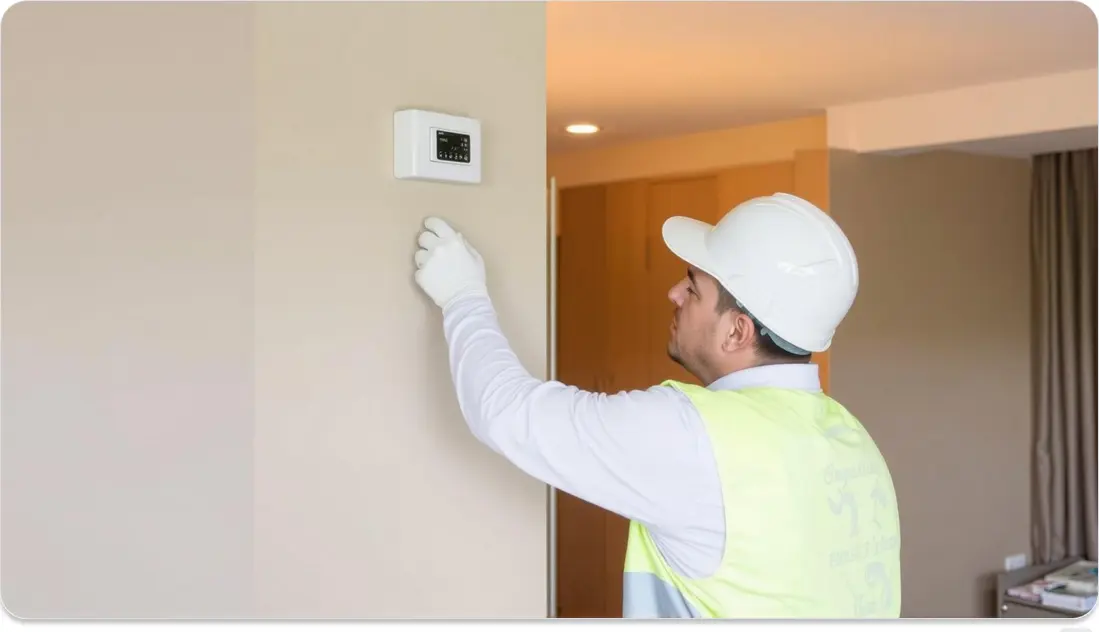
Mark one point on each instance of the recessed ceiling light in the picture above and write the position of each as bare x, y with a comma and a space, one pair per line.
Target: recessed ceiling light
582, 128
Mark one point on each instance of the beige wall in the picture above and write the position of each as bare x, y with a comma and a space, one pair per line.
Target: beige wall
934, 359
128, 156
692, 153
223, 394
372, 498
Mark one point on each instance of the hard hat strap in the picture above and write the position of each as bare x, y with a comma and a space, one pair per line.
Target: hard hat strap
764, 331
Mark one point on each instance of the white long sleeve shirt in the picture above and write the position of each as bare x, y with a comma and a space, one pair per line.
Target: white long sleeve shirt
644, 455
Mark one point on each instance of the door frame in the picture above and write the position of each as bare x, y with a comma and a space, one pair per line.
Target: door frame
551, 374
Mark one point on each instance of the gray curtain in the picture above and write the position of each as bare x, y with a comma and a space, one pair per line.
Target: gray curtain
1063, 251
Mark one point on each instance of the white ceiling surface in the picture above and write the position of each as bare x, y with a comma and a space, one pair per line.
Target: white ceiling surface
650, 69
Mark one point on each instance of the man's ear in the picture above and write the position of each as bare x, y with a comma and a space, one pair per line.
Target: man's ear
740, 333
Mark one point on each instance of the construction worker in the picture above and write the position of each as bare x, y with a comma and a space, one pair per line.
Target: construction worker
757, 496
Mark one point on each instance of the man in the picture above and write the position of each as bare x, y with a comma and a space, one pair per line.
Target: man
756, 496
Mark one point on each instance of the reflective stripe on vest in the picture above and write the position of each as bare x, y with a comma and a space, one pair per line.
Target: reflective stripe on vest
811, 522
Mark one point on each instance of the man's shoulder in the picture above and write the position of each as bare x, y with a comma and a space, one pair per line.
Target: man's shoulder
685, 388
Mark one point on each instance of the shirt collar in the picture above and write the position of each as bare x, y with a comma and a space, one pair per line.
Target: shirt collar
802, 377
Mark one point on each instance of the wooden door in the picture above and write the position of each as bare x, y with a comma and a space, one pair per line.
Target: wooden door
581, 333
628, 310
602, 314
695, 198
625, 351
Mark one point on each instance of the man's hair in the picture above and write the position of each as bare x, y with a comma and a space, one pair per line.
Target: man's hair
765, 346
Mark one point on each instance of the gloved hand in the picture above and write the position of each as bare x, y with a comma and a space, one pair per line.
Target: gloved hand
448, 268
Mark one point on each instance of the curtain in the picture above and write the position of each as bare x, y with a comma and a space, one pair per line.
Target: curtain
1063, 256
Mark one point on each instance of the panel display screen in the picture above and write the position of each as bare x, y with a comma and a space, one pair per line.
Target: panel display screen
451, 146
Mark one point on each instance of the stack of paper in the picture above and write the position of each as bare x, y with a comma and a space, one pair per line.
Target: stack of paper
1032, 591
1070, 588
1079, 577
1063, 598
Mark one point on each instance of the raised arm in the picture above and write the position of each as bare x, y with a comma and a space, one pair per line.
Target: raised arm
632, 453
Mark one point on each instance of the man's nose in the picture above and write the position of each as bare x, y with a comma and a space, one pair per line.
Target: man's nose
675, 294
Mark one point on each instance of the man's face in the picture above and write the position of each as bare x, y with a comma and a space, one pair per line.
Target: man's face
695, 332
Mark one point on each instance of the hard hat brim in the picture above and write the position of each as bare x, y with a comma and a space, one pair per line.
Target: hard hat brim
686, 238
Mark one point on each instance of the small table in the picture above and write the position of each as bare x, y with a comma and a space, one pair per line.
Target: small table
1015, 608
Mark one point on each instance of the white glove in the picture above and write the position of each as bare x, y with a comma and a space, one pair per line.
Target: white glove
448, 268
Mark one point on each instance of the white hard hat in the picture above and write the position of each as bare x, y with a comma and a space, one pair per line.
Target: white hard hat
785, 261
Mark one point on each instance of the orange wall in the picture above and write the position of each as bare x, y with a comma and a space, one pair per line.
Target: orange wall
706, 151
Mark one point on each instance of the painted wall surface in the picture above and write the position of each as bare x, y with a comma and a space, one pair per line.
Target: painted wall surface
372, 497
128, 176
694, 153
934, 359
1024, 108
223, 394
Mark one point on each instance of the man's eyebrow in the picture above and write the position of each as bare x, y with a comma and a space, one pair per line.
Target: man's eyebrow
691, 275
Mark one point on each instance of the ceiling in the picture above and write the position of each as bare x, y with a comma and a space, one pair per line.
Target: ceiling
650, 69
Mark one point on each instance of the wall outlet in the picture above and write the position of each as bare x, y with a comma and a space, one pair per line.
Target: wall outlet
1014, 562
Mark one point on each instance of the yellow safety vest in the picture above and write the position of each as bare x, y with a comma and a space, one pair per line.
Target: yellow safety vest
811, 522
